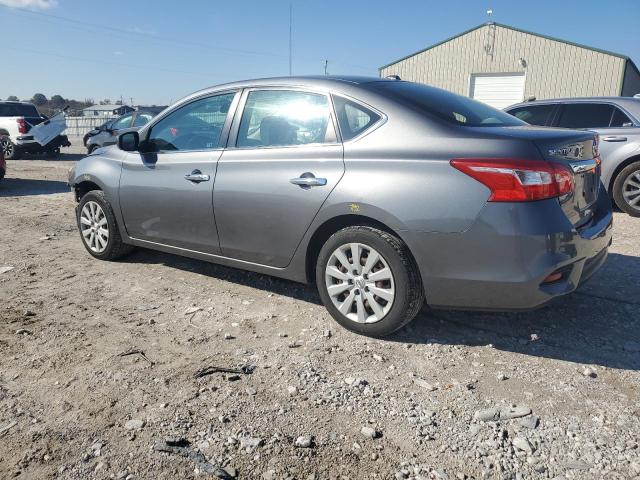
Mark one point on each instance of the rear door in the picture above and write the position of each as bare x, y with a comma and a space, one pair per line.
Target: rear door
282, 161
166, 195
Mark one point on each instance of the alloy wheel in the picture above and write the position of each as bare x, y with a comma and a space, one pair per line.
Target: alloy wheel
94, 227
360, 283
631, 190
7, 147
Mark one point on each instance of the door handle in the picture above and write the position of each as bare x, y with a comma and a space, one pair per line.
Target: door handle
614, 138
197, 176
308, 180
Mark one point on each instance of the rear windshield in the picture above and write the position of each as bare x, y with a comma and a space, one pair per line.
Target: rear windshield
17, 110
446, 105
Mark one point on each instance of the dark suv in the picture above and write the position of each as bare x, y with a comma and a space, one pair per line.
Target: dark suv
617, 120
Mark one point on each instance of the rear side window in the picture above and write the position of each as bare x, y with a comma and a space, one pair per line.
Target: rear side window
353, 118
585, 115
280, 118
620, 119
445, 105
534, 114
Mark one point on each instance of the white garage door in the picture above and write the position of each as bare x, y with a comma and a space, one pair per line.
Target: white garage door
498, 90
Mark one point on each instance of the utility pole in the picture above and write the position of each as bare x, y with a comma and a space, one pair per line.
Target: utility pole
131, 98
326, 64
290, 38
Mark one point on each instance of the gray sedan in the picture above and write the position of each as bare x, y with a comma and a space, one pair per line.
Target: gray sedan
617, 120
383, 192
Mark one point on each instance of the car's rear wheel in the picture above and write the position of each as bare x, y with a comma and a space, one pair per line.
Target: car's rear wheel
9, 149
98, 227
368, 281
626, 189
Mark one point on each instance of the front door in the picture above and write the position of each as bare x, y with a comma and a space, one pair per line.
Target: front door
166, 195
281, 164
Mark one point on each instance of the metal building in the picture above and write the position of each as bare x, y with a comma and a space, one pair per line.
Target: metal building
503, 65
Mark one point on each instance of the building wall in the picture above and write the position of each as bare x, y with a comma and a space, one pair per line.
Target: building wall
553, 69
631, 84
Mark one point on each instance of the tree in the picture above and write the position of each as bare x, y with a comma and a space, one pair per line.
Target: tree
39, 99
106, 101
13, 98
57, 100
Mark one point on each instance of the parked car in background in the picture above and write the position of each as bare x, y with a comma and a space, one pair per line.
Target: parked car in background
16, 121
406, 192
617, 120
107, 133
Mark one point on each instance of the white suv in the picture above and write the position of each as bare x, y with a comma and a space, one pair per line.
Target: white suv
16, 120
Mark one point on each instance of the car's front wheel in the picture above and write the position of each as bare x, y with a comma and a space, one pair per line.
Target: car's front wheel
626, 189
98, 227
368, 281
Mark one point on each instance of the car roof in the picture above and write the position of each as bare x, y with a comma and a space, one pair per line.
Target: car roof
337, 83
616, 100
13, 102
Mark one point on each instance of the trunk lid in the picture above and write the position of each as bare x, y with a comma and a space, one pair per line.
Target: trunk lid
575, 149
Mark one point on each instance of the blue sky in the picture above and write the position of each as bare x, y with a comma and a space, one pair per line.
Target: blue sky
157, 51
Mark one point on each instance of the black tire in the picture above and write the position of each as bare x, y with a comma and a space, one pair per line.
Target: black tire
409, 293
11, 150
53, 153
91, 148
619, 188
115, 247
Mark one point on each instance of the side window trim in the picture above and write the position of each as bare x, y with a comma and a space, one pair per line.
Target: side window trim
232, 139
146, 130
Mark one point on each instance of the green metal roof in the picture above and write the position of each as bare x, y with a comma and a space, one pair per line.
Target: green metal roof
606, 52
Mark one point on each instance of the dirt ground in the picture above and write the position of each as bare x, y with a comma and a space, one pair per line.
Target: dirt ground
546, 394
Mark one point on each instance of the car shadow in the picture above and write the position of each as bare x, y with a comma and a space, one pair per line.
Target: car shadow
596, 325
22, 187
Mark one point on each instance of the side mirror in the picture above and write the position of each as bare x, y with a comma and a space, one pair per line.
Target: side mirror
129, 141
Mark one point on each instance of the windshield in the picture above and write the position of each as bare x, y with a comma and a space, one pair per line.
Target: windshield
446, 105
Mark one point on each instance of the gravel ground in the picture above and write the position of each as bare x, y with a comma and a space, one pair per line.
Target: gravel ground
99, 363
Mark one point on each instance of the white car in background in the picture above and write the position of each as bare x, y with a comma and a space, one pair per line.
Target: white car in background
24, 130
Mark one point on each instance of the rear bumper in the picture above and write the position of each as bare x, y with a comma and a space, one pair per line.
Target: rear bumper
501, 262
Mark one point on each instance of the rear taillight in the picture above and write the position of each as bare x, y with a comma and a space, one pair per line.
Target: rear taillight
515, 180
22, 125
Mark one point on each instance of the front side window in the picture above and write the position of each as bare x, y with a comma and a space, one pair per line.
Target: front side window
196, 126
585, 115
283, 118
353, 118
533, 114
122, 122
